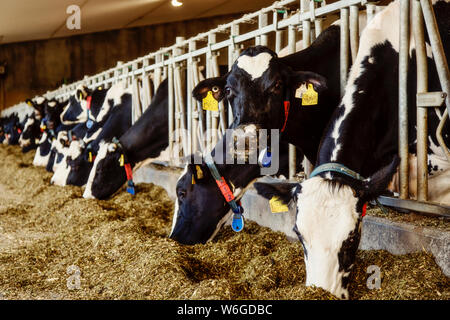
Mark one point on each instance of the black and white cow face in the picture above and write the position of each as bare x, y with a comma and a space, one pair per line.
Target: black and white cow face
80, 166
106, 175
200, 208
31, 134
12, 129
38, 105
75, 109
257, 86
328, 222
52, 113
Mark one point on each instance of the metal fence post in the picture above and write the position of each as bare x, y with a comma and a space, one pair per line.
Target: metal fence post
422, 86
344, 44
354, 31
403, 99
292, 35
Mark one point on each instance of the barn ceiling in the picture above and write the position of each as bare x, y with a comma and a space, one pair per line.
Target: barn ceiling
24, 20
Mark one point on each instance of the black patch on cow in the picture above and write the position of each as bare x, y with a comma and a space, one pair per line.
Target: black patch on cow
346, 255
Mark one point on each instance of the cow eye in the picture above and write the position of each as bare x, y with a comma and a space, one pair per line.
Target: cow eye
228, 91
215, 89
277, 86
181, 194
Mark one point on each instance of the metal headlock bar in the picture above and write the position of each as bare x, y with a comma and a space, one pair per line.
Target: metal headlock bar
192, 129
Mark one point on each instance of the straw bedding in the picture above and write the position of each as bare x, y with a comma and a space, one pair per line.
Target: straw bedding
121, 251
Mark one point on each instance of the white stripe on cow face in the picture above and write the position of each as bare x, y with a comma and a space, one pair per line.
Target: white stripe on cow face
102, 152
175, 211
114, 93
62, 172
325, 217
255, 66
41, 161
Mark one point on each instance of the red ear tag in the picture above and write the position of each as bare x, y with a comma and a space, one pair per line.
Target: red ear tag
88, 100
19, 131
364, 208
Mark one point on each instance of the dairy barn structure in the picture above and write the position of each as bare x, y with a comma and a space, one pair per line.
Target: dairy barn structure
225, 150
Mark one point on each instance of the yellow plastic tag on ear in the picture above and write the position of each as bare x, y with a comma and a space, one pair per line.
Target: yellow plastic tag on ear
121, 160
193, 179
276, 206
310, 97
199, 172
29, 103
90, 156
81, 96
210, 103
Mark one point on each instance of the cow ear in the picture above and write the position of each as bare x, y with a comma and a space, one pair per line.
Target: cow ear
29, 102
377, 183
303, 77
284, 191
215, 85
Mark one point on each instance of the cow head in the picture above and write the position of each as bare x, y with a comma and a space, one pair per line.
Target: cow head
38, 105
13, 129
52, 113
328, 222
106, 176
81, 165
75, 109
257, 85
30, 135
200, 209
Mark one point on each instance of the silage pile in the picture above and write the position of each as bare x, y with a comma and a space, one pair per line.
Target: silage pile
121, 250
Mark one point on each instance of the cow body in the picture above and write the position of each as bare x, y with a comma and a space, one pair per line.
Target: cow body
362, 138
147, 138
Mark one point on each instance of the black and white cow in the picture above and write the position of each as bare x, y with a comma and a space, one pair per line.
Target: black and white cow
12, 129
82, 152
362, 139
96, 106
147, 138
257, 87
29, 139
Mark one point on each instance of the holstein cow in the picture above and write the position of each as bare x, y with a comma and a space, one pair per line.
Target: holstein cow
12, 129
264, 92
358, 155
29, 139
147, 138
82, 152
90, 109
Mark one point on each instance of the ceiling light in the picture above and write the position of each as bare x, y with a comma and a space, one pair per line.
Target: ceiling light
177, 3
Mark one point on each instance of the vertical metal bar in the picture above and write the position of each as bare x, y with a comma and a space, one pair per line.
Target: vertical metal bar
233, 53
171, 109
263, 20
354, 31
370, 11
438, 51
192, 146
278, 33
306, 24
422, 86
344, 54
292, 33
403, 99
318, 26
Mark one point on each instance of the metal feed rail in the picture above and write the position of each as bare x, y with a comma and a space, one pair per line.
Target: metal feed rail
192, 129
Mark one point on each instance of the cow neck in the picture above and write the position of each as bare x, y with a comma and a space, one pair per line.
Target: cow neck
127, 165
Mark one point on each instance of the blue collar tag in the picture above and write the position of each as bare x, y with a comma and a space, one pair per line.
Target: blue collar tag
265, 158
238, 222
130, 188
89, 123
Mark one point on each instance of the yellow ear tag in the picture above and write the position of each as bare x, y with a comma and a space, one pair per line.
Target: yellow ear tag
81, 96
199, 172
193, 179
29, 103
210, 103
121, 160
310, 97
276, 206
90, 156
